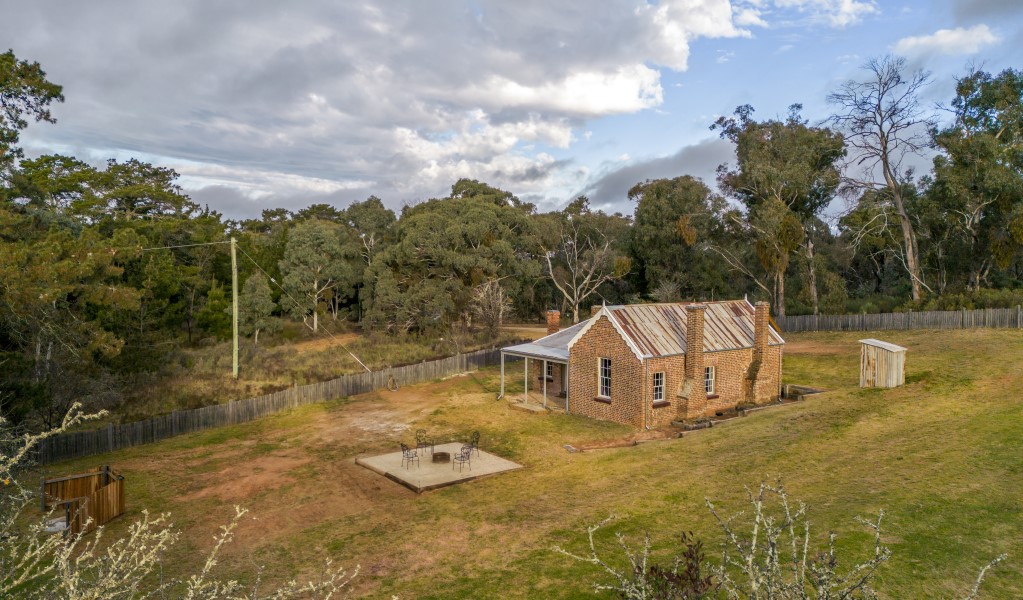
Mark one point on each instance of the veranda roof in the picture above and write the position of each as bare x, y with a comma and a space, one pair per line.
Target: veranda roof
553, 347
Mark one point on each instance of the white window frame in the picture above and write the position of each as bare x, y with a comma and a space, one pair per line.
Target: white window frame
550, 370
659, 387
604, 380
709, 376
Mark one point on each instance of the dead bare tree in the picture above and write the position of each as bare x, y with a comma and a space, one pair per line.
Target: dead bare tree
490, 305
884, 124
581, 263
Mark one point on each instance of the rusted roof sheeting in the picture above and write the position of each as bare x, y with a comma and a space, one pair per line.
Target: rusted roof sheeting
660, 329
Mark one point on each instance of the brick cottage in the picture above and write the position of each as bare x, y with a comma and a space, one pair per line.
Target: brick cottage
634, 364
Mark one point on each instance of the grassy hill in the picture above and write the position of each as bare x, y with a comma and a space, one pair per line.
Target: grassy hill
942, 456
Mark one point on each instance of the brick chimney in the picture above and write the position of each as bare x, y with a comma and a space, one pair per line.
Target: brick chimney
594, 309
761, 333
553, 321
697, 402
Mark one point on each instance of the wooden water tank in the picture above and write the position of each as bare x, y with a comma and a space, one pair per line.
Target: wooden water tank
882, 364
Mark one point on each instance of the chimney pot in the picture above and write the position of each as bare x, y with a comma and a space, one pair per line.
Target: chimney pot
553, 321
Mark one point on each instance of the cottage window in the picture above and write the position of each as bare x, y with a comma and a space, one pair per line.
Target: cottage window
708, 379
604, 377
658, 387
550, 370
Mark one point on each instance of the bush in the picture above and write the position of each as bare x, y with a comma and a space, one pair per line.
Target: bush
767, 556
971, 300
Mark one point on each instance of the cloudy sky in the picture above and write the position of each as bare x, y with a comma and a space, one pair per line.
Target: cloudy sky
265, 103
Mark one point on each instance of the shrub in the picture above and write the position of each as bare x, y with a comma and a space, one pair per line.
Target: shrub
38, 564
769, 556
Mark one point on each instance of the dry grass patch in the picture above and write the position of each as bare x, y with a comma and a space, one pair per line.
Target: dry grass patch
940, 455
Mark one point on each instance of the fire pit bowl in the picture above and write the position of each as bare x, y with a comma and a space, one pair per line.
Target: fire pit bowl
441, 457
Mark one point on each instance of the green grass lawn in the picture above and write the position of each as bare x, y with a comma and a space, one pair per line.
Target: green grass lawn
941, 455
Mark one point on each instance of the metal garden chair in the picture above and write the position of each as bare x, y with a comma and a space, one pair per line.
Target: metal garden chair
408, 455
423, 441
464, 457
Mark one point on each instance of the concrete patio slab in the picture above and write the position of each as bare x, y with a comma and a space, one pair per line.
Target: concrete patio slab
428, 475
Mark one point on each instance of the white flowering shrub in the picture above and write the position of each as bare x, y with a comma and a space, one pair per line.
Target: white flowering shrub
766, 554
36, 563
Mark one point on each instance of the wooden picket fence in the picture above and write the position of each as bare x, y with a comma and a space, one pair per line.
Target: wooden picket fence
935, 319
88, 500
115, 437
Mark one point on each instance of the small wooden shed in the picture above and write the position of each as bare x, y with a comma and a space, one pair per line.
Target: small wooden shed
882, 364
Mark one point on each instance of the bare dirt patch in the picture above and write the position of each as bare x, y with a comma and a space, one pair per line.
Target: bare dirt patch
532, 332
250, 478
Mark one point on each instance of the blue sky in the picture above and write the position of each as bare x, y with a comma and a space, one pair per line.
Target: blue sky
261, 104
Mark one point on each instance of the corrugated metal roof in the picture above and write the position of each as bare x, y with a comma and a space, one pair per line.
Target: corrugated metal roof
660, 329
886, 345
552, 347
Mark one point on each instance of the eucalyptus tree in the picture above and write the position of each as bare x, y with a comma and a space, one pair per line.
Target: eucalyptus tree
782, 165
979, 177
316, 268
256, 307
445, 248
586, 251
885, 124
675, 221
373, 225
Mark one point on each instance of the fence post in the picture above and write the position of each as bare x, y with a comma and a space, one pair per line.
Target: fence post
110, 436
42, 493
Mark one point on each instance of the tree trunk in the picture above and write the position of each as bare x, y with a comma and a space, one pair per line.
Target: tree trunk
316, 305
575, 313
812, 276
908, 236
779, 293
255, 337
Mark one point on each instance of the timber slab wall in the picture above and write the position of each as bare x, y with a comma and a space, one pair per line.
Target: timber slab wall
1006, 318
117, 436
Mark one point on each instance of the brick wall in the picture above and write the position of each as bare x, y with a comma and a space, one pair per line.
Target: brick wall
673, 368
627, 381
554, 383
632, 381
730, 369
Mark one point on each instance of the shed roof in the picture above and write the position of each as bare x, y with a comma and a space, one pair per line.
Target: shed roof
886, 345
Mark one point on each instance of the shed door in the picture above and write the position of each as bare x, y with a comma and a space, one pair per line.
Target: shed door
869, 367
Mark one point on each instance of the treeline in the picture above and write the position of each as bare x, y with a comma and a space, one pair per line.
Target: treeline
105, 271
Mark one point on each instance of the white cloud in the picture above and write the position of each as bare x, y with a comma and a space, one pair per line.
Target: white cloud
749, 16
837, 13
947, 41
627, 89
